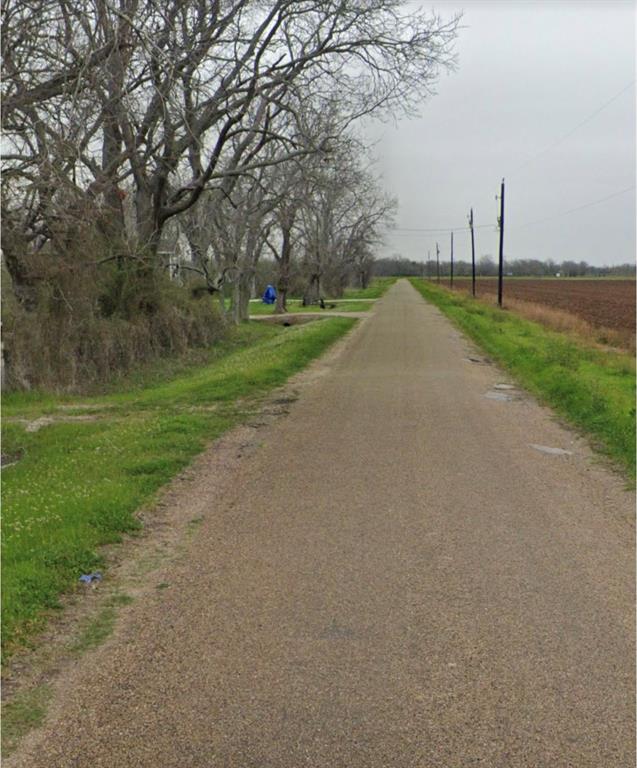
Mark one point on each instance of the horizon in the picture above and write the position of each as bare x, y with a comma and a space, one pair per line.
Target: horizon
540, 98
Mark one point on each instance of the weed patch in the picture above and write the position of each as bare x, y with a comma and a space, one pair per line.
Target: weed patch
95, 631
24, 713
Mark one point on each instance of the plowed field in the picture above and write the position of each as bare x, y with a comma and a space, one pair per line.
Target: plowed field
602, 303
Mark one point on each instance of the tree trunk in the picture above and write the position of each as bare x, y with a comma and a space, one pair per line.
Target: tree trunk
241, 293
313, 291
283, 280
246, 285
148, 228
13, 250
281, 295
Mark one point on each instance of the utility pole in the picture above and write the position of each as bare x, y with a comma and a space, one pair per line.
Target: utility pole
428, 263
437, 263
451, 281
501, 255
473, 257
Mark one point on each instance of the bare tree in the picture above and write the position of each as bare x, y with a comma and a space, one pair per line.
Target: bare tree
129, 125
340, 218
161, 102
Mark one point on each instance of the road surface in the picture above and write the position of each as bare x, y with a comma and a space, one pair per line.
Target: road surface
398, 578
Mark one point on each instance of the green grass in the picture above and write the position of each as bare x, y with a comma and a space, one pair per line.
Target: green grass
79, 484
25, 712
95, 630
377, 287
593, 389
295, 305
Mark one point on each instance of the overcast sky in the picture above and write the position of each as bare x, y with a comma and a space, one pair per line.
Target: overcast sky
528, 73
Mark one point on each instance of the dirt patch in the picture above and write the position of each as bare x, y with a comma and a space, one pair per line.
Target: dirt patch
287, 319
9, 459
84, 407
36, 425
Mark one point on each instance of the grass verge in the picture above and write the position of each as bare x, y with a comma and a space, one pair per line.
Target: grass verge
296, 305
376, 288
593, 389
83, 475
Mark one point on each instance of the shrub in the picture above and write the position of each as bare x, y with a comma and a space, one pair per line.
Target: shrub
87, 326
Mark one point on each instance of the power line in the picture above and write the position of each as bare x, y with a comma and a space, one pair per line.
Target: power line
576, 128
414, 232
445, 230
430, 233
578, 208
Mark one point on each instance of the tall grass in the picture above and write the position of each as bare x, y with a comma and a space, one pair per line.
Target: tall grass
566, 322
69, 346
559, 320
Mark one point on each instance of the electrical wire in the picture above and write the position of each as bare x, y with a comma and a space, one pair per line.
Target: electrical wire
412, 231
423, 236
573, 130
443, 230
573, 210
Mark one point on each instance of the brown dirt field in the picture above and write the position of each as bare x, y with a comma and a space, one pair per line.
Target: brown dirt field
602, 303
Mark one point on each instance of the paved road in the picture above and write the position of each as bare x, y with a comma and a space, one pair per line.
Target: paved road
398, 580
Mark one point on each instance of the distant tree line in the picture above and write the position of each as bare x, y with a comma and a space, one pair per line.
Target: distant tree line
487, 266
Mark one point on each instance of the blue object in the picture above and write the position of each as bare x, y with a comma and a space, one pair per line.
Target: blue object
87, 578
269, 297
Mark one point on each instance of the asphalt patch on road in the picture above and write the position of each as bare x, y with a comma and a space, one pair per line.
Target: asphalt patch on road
477, 360
503, 397
549, 450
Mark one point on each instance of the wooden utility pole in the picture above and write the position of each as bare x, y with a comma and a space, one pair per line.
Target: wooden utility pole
437, 263
473, 256
428, 263
501, 255
451, 280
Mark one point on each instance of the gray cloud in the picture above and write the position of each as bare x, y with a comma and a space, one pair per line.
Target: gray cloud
528, 73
